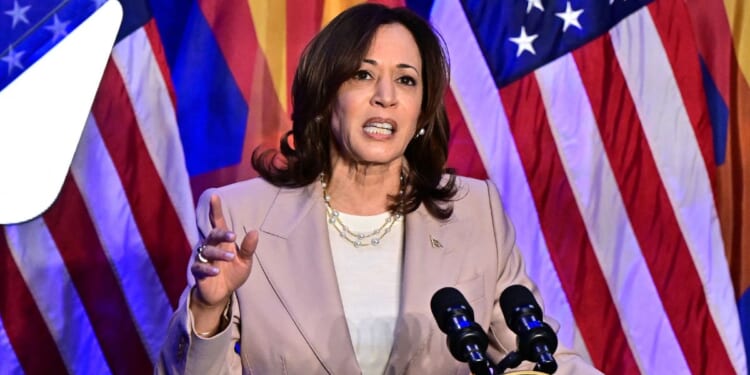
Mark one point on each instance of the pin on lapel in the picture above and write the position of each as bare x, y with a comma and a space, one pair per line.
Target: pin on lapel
435, 243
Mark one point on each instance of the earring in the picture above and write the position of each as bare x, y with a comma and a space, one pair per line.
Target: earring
318, 119
419, 133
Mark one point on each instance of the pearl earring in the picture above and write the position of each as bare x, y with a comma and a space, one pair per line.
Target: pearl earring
419, 133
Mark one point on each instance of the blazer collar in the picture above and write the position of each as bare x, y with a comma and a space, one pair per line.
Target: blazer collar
300, 268
298, 263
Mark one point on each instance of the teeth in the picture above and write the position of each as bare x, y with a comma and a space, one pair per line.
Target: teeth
379, 128
381, 125
373, 130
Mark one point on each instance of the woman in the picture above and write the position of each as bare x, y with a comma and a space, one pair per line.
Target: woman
353, 225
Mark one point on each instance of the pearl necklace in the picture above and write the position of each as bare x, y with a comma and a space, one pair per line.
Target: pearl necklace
358, 239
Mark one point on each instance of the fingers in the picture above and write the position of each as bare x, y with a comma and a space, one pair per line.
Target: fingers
215, 213
203, 270
213, 253
219, 235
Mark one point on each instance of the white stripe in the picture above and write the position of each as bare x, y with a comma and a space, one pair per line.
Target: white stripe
598, 197
98, 181
8, 361
156, 119
480, 104
44, 272
672, 140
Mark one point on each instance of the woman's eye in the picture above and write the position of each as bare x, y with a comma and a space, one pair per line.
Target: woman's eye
406, 80
362, 75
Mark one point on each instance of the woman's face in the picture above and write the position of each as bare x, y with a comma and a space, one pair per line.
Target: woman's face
375, 112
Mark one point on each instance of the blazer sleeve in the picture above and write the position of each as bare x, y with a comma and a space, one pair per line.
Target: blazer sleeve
511, 270
184, 352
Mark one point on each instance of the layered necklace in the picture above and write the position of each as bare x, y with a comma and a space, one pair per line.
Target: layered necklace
359, 239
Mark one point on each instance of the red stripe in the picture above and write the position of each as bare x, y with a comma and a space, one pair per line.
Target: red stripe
155, 216
26, 329
647, 203
302, 23
462, 151
713, 38
157, 48
90, 271
673, 24
564, 230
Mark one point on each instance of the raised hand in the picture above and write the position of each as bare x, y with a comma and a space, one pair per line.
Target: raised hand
221, 269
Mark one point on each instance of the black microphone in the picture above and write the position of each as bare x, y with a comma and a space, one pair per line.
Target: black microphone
536, 340
466, 340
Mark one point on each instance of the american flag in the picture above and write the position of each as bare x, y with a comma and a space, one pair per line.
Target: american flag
590, 116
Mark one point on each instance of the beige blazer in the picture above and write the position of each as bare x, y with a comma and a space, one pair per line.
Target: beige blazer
288, 317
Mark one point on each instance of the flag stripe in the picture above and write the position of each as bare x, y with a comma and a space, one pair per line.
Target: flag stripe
680, 164
564, 229
157, 219
462, 152
24, 324
661, 242
155, 117
8, 361
477, 97
97, 178
602, 208
672, 22
49, 282
157, 50
97, 286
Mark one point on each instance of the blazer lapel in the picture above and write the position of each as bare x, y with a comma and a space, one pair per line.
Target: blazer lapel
431, 261
298, 263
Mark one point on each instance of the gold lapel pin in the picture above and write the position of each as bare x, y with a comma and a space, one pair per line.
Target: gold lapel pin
435, 243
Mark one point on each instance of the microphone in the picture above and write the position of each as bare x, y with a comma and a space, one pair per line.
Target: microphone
535, 339
466, 340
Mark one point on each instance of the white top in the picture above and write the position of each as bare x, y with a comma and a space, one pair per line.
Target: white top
370, 282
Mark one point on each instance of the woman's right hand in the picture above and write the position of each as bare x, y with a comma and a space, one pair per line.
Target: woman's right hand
227, 267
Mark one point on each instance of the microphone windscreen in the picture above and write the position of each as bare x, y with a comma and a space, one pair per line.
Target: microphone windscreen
444, 303
516, 297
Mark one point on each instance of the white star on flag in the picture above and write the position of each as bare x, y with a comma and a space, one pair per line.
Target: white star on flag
570, 17
18, 13
534, 3
524, 42
58, 28
13, 59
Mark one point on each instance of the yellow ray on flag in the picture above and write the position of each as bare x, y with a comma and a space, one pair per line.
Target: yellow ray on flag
331, 8
269, 18
739, 21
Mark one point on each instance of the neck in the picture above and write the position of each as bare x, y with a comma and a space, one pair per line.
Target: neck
363, 190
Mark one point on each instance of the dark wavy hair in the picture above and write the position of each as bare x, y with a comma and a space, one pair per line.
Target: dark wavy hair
332, 58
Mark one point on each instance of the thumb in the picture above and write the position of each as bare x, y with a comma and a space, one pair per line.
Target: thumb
248, 245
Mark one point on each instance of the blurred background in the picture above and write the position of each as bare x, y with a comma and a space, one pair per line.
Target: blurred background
617, 133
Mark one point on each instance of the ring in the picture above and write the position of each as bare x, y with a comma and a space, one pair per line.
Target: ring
200, 256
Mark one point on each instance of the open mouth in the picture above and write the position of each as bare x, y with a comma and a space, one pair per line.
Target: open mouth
383, 128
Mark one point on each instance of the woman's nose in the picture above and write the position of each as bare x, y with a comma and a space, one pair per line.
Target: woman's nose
385, 93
